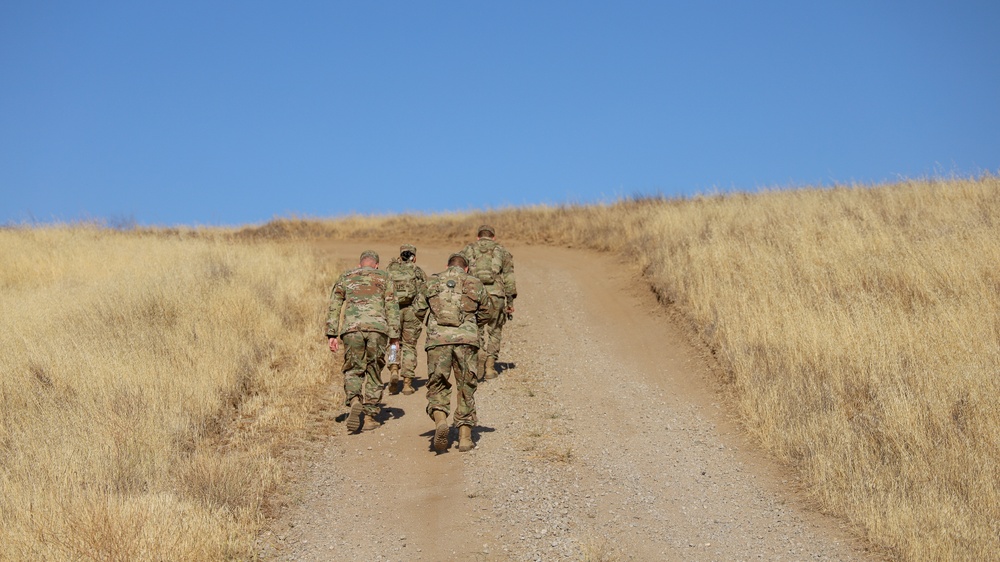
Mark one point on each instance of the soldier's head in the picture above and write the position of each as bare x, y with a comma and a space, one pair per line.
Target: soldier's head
486, 231
369, 258
458, 260
408, 252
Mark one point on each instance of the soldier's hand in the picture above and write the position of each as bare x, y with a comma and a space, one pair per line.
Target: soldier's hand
334, 344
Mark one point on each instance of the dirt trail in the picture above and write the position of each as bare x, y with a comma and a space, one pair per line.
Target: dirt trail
601, 440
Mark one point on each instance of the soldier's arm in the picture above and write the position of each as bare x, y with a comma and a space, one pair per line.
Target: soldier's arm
420, 305
509, 282
391, 309
337, 296
485, 310
467, 253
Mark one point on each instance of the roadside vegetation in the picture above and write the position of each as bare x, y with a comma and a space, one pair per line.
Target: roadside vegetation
150, 378
147, 385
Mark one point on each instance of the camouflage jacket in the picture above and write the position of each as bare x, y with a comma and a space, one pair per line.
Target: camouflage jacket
475, 309
505, 285
363, 300
408, 278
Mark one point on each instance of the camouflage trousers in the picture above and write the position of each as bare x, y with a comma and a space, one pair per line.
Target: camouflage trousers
489, 335
410, 334
364, 358
440, 361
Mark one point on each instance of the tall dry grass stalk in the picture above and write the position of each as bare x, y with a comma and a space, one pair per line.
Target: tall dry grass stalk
146, 383
858, 327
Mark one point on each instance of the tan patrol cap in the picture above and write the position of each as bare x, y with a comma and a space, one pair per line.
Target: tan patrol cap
408, 248
487, 228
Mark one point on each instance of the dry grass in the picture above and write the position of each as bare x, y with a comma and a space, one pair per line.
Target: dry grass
146, 383
858, 328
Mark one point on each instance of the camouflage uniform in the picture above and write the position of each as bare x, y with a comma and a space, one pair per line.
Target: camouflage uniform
502, 291
453, 346
410, 326
365, 315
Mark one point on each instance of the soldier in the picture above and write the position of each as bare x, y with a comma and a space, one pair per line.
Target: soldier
409, 279
492, 264
364, 314
453, 304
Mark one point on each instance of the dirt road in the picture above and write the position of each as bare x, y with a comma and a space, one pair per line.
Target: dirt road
602, 439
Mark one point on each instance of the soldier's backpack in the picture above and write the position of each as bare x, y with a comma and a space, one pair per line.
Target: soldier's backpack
445, 299
487, 259
405, 280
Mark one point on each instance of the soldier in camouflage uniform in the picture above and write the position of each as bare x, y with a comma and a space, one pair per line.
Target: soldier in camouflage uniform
453, 304
365, 315
492, 264
409, 279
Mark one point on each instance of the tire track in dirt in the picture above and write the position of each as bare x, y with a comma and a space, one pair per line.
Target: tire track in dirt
601, 440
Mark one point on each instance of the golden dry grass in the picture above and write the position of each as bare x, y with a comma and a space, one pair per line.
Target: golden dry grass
858, 328
146, 384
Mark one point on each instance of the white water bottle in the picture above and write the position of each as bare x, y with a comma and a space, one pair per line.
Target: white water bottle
393, 349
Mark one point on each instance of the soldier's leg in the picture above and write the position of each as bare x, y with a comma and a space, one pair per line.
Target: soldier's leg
486, 336
354, 366
465, 381
496, 331
410, 335
374, 360
439, 363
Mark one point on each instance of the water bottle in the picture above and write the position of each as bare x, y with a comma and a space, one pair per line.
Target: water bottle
393, 349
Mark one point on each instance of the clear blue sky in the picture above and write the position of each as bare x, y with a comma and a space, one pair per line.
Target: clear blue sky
234, 112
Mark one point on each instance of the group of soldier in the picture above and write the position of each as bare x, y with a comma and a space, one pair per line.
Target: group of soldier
464, 308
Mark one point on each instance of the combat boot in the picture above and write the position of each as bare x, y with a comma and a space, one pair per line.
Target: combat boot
441, 431
465, 438
393, 379
408, 386
491, 368
354, 418
371, 422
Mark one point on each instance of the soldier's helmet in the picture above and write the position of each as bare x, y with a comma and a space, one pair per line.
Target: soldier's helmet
369, 254
486, 228
408, 248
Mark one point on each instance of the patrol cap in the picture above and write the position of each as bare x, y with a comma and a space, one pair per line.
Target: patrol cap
408, 248
487, 228
370, 254
465, 262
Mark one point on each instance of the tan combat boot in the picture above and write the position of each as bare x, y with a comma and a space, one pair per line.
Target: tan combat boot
393, 379
408, 386
441, 431
491, 368
465, 438
354, 418
370, 423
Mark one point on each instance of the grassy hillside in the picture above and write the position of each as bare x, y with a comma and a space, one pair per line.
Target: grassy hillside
145, 385
858, 330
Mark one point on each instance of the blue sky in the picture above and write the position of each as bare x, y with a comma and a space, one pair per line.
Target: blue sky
235, 112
